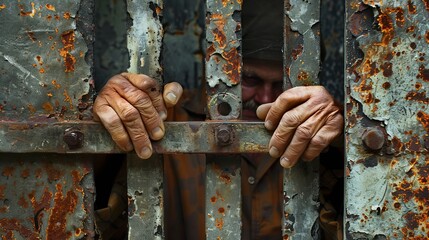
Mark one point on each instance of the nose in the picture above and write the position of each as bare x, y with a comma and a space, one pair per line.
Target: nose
265, 93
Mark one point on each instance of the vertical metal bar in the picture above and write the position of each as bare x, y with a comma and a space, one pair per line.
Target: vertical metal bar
223, 71
387, 120
301, 64
145, 177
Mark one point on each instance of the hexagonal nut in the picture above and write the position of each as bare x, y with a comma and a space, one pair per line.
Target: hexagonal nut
224, 135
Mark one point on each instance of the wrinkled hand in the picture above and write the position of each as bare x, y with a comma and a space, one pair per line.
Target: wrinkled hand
133, 108
305, 120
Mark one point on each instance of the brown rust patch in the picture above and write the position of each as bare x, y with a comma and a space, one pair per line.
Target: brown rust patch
50, 7
386, 26
296, 52
386, 85
15, 225
66, 15
233, 66
24, 13
63, 206
427, 37
47, 106
414, 144
8, 171
2, 6
387, 69
397, 145
411, 7
426, 3
417, 96
423, 73
423, 118
219, 223
68, 39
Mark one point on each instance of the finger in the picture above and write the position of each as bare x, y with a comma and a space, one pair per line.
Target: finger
111, 121
305, 138
262, 110
152, 88
289, 100
137, 100
293, 121
133, 123
172, 93
324, 137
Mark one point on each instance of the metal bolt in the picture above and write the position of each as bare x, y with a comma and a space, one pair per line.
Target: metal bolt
373, 138
73, 137
224, 135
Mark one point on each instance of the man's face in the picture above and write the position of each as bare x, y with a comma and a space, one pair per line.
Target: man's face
262, 82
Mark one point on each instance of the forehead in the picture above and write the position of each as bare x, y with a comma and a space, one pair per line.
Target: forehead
267, 70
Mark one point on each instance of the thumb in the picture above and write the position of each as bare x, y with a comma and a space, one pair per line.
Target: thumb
172, 93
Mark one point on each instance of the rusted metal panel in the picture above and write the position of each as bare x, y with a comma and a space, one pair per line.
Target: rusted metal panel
91, 137
301, 64
145, 178
387, 120
46, 196
223, 76
45, 68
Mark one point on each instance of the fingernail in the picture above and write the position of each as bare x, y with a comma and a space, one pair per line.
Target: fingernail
274, 152
285, 162
157, 133
145, 153
268, 125
163, 115
171, 97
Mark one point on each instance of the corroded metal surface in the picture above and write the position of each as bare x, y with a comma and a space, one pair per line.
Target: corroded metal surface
41, 198
223, 75
145, 178
223, 59
45, 63
387, 80
302, 64
200, 138
145, 197
223, 201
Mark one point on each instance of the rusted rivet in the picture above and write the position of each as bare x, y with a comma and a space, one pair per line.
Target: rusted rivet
73, 137
224, 135
373, 138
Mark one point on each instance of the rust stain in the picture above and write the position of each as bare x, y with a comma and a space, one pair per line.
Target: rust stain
63, 206
303, 76
23, 202
423, 73
233, 66
221, 210
67, 98
15, 225
2, 188
213, 199
296, 52
219, 223
417, 96
56, 85
47, 106
423, 118
411, 7
66, 15
427, 36
426, 3
8, 171
50, 7
68, 39
31, 36
386, 25
27, 13
2, 6
31, 108
387, 69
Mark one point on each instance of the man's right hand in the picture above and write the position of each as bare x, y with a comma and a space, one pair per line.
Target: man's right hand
133, 107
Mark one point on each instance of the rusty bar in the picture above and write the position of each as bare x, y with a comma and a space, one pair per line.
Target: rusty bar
46, 196
302, 65
223, 76
145, 178
181, 137
387, 78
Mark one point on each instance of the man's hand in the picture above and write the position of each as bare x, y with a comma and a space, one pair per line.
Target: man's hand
133, 108
305, 120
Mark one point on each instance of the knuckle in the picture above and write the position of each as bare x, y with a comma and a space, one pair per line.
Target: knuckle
290, 120
303, 133
318, 142
129, 114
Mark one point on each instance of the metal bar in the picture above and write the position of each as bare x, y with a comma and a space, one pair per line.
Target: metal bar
301, 64
145, 178
387, 120
223, 71
91, 137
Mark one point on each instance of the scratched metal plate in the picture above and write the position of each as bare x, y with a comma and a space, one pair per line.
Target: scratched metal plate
43, 198
45, 63
387, 188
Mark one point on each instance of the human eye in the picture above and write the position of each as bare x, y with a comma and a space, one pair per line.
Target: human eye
250, 81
